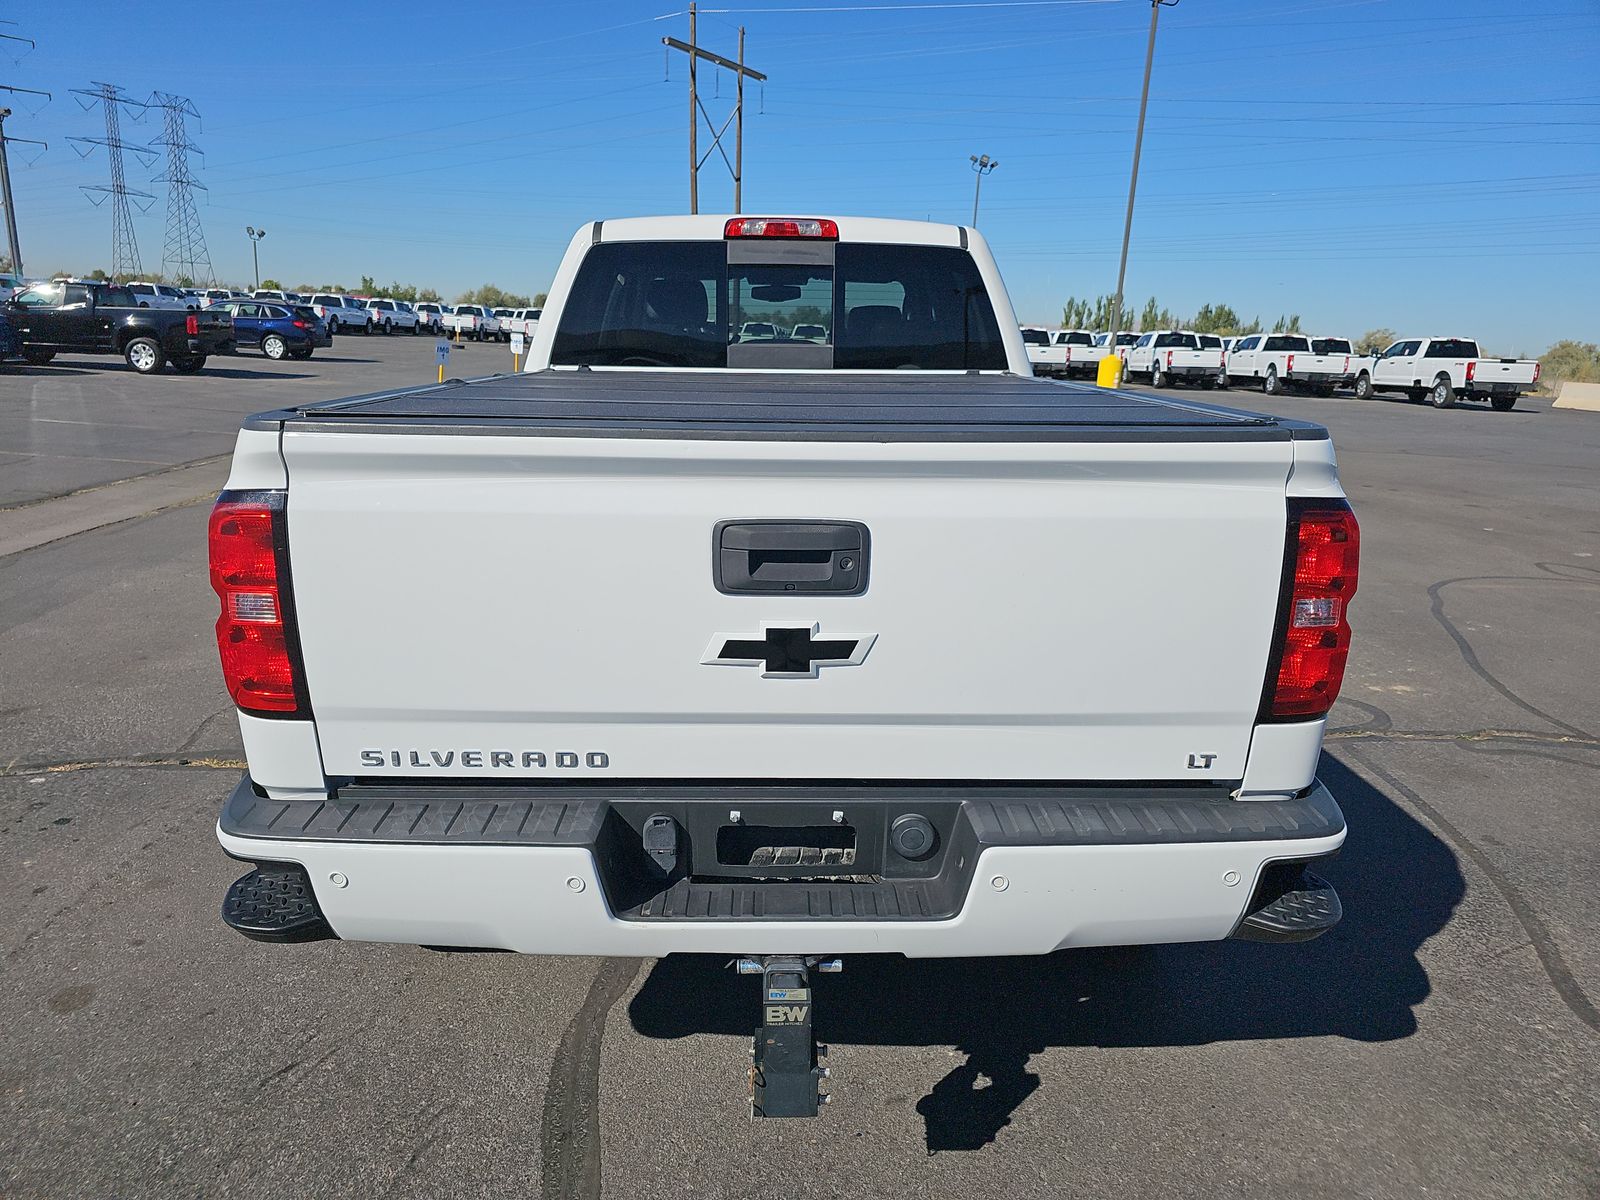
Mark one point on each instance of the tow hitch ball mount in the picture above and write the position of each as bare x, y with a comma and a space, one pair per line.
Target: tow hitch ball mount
785, 1072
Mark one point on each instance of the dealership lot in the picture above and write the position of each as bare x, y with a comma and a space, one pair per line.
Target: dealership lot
1444, 1037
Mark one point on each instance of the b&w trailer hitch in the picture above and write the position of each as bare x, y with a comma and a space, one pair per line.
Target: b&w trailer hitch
785, 1072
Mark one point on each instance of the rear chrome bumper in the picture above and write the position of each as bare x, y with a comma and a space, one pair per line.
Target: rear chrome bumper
1015, 871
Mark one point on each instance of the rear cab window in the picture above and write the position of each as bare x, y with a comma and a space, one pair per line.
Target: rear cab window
1451, 348
1176, 341
734, 304
1035, 337
1331, 346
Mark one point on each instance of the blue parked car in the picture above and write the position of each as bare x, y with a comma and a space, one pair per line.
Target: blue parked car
280, 330
10, 343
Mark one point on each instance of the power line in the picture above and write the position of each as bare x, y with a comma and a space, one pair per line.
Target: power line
124, 248
183, 251
7, 201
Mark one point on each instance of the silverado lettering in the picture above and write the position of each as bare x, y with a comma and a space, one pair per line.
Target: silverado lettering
527, 759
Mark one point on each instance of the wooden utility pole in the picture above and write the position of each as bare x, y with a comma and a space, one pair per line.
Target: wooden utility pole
697, 110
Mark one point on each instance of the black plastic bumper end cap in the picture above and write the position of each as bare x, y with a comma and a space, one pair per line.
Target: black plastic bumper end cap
275, 903
1305, 911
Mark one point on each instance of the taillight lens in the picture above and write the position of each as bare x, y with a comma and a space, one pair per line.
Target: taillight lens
1472, 370
256, 637
1288, 366
299, 324
191, 324
781, 227
1324, 553
1537, 367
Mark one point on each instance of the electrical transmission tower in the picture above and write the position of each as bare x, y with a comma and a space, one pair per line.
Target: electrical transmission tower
697, 110
13, 245
124, 248
183, 253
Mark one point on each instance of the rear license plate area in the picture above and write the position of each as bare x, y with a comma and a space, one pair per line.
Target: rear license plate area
752, 846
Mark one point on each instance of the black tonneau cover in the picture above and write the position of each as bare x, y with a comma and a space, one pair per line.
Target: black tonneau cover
767, 406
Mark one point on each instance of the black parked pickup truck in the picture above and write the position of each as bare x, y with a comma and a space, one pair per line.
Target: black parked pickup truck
103, 318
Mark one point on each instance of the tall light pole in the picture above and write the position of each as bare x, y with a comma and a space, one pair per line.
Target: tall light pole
255, 235
1133, 179
981, 166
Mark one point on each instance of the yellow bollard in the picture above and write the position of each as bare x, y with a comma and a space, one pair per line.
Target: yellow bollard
1110, 375
516, 363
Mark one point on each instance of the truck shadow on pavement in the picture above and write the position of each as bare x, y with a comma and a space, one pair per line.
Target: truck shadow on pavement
1400, 884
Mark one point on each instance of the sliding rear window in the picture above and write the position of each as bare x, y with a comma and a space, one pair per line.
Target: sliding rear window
696, 304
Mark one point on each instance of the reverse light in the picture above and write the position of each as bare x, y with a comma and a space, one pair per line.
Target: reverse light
1322, 565
781, 227
191, 325
256, 637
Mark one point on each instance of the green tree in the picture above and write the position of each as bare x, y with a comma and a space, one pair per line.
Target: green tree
1375, 341
1570, 361
492, 297
1216, 318
429, 296
1094, 314
1157, 317
368, 286
272, 283
538, 300
1287, 324
1253, 327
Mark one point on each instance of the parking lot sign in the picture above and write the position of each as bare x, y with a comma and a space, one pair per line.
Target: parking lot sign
441, 352
518, 343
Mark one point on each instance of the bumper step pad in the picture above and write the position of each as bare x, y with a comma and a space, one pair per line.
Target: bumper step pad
1306, 910
275, 903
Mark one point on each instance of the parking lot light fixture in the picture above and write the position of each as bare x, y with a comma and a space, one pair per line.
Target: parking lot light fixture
982, 164
255, 235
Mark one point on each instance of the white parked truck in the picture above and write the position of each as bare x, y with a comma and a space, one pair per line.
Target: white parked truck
471, 320
780, 649
1042, 356
340, 313
430, 316
161, 295
390, 315
1175, 356
1443, 370
1276, 361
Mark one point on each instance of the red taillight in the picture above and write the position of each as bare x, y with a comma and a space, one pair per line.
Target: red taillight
781, 227
299, 324
1472, 370
1347, 364
1537, 367
1288, 366
1169, 358
1325, 542
191, 325
255, 630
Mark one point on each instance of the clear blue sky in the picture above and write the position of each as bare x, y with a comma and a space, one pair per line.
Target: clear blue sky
1423, 165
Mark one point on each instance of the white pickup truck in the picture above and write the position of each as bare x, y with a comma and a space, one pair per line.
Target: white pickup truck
1176, 356
340, 313
780, 649
1042, 356
389, 315
1275, 361
1443, 370
471, 320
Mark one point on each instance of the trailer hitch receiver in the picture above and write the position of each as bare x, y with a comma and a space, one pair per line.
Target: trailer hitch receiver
784, 1069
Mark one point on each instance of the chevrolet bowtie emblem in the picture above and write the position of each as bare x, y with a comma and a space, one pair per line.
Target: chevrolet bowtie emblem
787, 651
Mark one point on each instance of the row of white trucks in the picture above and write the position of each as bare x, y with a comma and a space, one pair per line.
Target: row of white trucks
1440, 370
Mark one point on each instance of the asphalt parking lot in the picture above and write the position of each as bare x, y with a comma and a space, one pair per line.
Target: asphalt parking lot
1443, 1040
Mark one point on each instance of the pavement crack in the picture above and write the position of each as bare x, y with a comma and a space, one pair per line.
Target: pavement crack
569, 1136
1470, 656
1539, 936
1579, 740
15, 769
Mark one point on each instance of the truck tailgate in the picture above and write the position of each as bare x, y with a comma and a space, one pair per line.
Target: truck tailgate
514, 577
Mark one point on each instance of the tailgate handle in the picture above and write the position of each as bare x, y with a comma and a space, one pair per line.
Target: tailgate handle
785, 557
